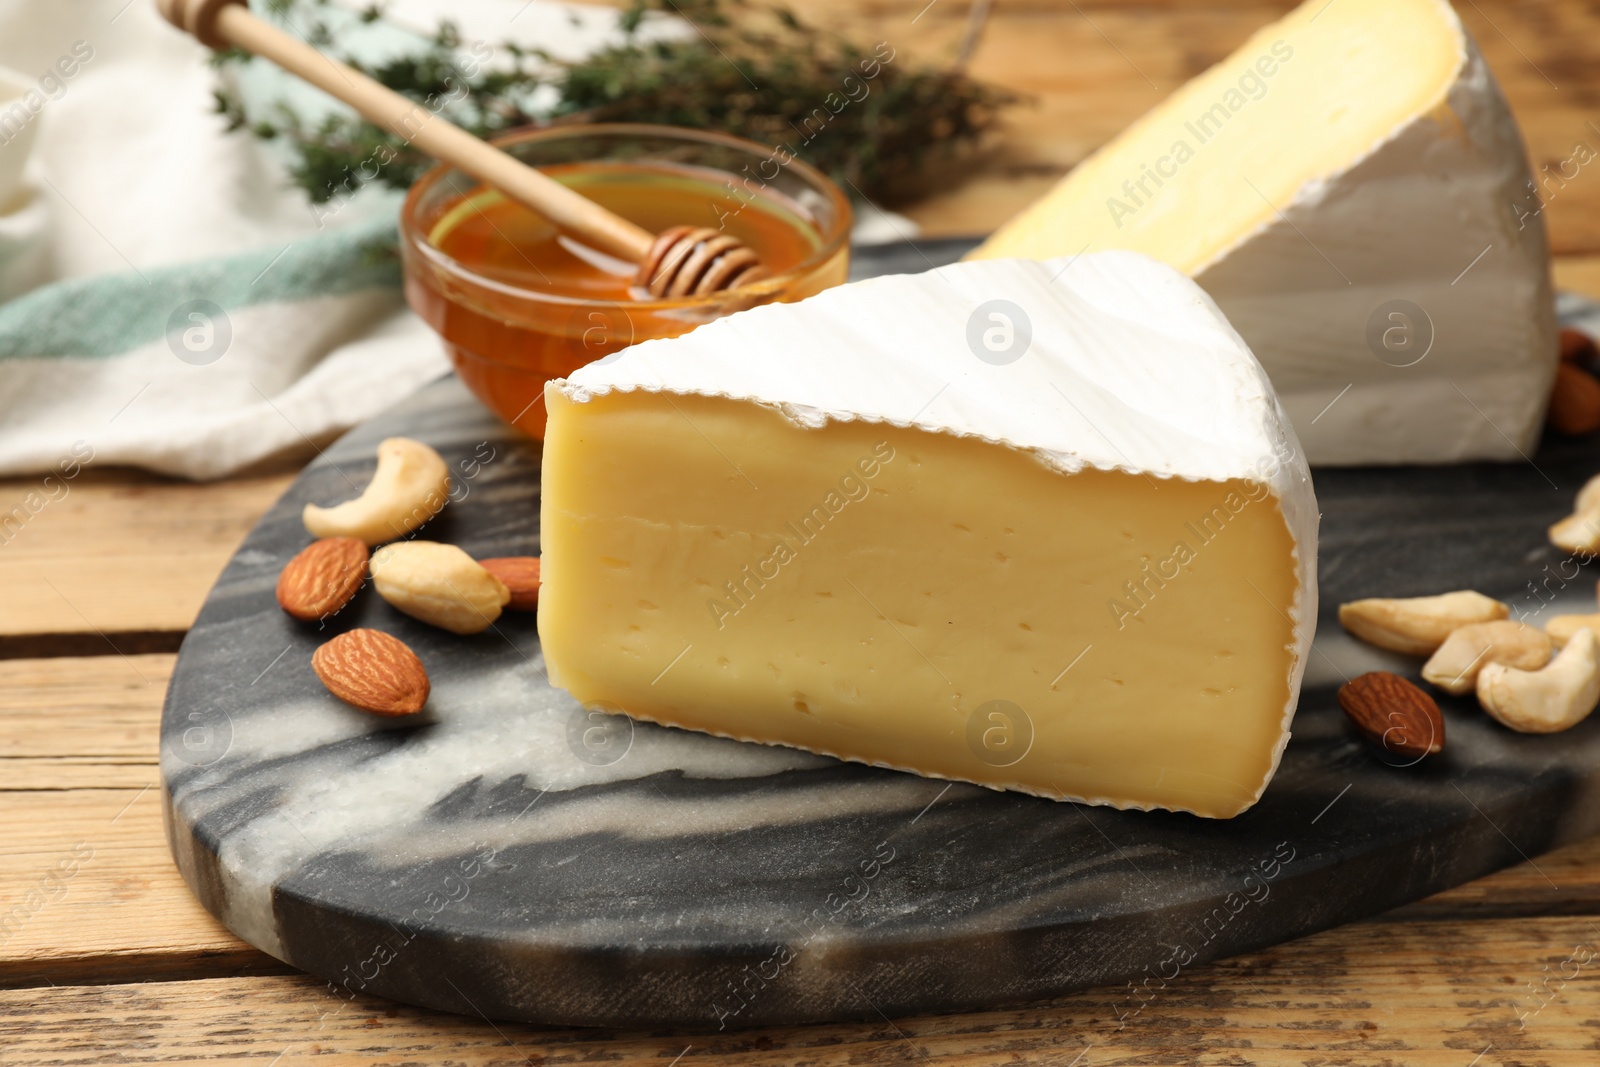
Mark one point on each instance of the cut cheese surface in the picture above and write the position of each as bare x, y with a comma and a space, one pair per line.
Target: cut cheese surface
1085, 574
1352, 190
1270, 116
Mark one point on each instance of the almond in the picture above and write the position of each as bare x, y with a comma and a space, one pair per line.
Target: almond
520, 574
370, 670
323, 577
1393, 714
1575, 401
1576, 346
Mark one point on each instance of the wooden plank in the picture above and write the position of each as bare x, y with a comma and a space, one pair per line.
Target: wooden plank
86, 885
97, 706
80, 724
1094, 66
117, 554
1578, 274
89, 892
1087, 71
1421, 994
74, 772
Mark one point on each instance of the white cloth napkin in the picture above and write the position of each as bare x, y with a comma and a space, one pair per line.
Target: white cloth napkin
126, 211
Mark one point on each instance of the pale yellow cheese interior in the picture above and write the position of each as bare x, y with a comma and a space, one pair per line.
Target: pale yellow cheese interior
925, 576
1302, 99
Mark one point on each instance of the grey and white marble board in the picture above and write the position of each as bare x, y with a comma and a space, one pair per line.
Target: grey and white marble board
502, 855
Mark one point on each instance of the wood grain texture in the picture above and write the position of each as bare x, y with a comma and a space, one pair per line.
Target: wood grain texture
115, 553
1423, 994
87, 888
88, 892
1578, 274
1093, 66
101, 707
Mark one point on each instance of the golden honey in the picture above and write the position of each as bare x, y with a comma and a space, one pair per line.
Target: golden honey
516, 302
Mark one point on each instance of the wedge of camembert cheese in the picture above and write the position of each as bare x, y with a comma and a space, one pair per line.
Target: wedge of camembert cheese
1038, 526
1352, 190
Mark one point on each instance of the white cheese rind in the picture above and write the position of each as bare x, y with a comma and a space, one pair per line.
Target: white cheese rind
1130, 367
1429, 216
1372, 184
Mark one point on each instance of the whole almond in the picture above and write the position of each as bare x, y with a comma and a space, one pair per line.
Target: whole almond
1393, 713
372, 671
1575, 401
323, 577
520, 574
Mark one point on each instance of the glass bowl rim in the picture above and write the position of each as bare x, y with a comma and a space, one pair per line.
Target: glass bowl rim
832, 240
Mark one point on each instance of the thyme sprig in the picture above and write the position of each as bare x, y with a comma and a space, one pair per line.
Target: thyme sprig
865, 114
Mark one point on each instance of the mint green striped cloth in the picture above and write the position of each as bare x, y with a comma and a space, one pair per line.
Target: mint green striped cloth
203, 369
109, 315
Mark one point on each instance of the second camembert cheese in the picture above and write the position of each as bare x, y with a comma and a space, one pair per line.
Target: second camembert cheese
1352, 190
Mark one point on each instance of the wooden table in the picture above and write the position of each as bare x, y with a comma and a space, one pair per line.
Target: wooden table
105, 957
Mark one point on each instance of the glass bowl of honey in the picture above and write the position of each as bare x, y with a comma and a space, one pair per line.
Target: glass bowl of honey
516, 302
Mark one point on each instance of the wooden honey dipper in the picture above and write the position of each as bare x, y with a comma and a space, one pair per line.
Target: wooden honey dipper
679, 261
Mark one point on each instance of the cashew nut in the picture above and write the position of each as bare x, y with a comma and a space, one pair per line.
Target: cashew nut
1589, 496
439, 584
1561, 628
1580, 531
1455, 667
409, 487
1418, 625
1545, 701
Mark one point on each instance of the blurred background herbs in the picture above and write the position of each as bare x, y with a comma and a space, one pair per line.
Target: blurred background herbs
875, 121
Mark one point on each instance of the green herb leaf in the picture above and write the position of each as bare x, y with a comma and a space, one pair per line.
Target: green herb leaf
881, 125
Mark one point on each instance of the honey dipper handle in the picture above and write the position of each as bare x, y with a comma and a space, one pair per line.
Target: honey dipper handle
219, 23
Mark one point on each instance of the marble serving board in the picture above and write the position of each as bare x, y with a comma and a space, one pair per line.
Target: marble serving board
508, 855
